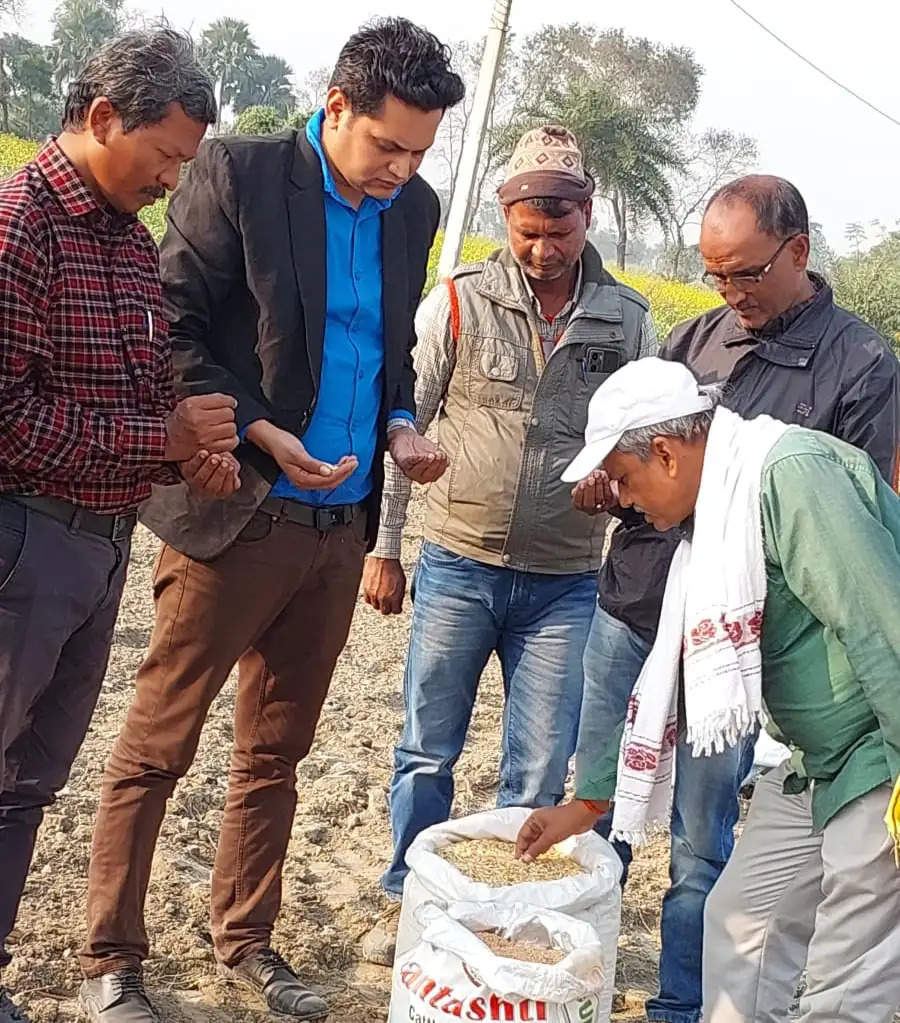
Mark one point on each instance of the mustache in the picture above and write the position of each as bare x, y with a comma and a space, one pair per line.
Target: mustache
154, 191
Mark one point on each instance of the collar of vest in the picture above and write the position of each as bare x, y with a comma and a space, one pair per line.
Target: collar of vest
500, 281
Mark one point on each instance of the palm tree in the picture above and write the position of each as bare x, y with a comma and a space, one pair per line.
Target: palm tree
266, 84
80, 27
228, 51
628, 155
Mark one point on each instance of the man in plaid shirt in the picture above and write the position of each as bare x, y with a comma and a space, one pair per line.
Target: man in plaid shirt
510, 351
88, 417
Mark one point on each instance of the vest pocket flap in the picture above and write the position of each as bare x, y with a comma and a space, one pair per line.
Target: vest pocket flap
499, 360
496, 373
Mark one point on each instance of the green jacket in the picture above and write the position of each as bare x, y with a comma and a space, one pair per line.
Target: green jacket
831, 632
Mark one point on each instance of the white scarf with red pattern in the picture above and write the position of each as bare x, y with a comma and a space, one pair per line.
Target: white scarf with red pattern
710, 625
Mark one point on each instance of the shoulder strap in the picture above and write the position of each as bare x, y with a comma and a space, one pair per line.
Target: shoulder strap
454, 309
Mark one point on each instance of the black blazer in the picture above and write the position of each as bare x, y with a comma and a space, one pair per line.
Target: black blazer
243, 265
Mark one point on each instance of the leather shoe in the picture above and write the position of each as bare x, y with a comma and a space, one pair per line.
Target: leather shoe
266, 973
117, 997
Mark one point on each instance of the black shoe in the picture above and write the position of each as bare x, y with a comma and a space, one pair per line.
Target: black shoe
266, 973
9, 1011
117, 997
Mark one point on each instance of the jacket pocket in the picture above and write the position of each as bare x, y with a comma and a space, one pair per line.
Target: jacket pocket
497, 370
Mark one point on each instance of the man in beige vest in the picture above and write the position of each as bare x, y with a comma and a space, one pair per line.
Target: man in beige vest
510, 351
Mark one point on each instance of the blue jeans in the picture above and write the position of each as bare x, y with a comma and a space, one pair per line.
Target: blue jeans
462, 612
704, 813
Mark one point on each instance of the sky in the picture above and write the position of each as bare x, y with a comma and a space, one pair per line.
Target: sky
843, 156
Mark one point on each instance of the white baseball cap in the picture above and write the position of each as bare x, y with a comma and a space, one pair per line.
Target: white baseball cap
642, 393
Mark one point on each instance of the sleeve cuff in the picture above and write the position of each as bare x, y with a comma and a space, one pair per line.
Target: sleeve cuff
141, 441
400, 422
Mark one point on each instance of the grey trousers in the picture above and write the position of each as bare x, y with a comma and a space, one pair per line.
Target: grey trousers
59, 595
791, 899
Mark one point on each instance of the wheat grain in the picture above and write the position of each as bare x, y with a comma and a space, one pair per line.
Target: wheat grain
520, 950
493, 861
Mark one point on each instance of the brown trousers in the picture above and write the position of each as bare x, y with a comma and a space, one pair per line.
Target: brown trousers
279, 602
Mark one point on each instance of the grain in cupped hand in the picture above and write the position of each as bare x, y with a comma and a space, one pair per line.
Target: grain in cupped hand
493, 861
520, 950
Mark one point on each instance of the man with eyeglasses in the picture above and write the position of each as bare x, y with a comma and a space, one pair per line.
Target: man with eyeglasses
779, 346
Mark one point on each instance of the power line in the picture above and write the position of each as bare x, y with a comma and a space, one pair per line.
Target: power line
814, 66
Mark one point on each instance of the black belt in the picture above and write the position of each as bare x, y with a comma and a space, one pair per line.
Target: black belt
110, 527
320, 517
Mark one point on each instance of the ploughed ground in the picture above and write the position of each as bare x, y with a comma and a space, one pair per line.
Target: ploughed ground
340, 843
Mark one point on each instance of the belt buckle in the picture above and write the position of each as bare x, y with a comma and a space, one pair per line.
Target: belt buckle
327, 518
122, 526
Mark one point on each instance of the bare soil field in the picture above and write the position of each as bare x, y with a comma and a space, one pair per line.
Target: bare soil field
340, 843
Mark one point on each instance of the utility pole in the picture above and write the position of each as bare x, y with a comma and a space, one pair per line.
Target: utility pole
461, 199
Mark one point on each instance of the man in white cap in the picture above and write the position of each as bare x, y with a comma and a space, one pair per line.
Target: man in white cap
510, 351
783, 598
780, 346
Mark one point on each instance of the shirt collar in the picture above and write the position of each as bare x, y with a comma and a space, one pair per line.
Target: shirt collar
573, 298
71, 189
314, 137
782, 324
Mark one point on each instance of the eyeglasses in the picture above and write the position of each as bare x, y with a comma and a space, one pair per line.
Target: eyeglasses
746, 280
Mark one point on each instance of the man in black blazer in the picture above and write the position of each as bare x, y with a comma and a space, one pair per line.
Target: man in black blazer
292, 267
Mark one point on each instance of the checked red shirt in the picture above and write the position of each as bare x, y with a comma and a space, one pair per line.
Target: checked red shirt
85, 363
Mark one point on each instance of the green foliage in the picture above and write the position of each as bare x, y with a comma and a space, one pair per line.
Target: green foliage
661, 81
869, 285
671, 302
228, 52
298, 119
80, 28
154, 217
474, 249
259, 121
265, 83
28, 104
14, 152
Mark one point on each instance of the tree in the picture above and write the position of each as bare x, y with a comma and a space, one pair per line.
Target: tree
447, 150
28, 105
228, 51
298, 119
312, 91
662, 81
80, 28
855, 233
266, 82
259, 120
628, 157
709, 161
868, 283
822, 258
11, 11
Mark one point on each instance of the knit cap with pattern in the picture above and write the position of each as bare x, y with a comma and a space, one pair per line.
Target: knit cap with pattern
546, 163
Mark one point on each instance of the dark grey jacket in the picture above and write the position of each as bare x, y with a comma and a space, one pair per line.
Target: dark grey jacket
826, 370
243, 267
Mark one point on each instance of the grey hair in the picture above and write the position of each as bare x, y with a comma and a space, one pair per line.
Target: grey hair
779, 207
141, 74
689, 428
